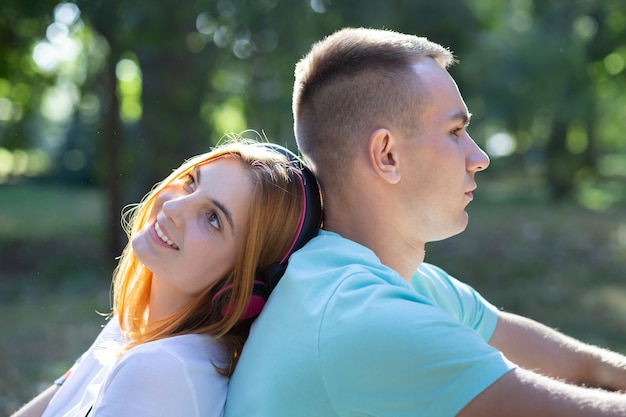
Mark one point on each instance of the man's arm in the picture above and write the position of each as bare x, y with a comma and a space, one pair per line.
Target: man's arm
36, 406
522, 393
541, 349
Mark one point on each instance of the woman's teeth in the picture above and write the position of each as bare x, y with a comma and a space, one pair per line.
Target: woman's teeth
163, 237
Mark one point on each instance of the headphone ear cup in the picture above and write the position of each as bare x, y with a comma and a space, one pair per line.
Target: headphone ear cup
264, 284
257, 300
255, 303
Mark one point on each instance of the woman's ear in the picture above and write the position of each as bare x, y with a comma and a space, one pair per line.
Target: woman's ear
382, 151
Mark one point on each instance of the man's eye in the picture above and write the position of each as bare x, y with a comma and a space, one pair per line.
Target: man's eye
457, 131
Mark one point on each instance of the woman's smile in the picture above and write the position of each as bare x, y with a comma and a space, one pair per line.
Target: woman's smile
159, 238
163, 236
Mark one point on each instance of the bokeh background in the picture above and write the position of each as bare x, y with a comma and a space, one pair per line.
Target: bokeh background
101, 98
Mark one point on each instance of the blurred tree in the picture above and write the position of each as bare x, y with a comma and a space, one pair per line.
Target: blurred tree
540, 69
157, 82
21, 86
103, 18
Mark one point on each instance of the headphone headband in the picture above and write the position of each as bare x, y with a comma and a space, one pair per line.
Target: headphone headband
310, 221
311, 216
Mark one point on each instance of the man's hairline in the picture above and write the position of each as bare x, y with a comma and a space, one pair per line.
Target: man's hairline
444, 61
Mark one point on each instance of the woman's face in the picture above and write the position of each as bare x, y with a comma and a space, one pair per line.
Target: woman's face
195, 230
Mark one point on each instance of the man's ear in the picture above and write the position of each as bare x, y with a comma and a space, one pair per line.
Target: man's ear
382, 152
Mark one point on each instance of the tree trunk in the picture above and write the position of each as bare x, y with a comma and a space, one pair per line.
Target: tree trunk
561, 166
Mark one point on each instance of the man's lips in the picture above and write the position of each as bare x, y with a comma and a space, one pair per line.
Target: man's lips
470, 192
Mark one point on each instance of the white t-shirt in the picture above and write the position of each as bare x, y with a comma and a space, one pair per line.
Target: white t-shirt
168, 377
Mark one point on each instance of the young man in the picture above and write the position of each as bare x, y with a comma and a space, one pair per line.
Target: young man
359, 325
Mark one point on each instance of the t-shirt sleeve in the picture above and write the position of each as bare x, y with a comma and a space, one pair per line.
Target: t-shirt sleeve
152, 383
457, 298
386, 351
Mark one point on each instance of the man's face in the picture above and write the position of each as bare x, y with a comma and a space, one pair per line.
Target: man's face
439, 160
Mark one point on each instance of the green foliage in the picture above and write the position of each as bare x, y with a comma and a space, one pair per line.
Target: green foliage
551, 74
548, 74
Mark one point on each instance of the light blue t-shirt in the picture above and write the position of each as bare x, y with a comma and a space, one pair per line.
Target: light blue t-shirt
344, 335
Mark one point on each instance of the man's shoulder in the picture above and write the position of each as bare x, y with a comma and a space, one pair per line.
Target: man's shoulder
330, 254
330, 242
434, 278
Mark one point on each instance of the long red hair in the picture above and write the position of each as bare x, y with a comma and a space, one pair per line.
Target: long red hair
276, 207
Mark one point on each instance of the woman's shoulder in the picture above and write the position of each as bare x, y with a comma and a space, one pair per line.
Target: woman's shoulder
189, 348
190, 358
175, 374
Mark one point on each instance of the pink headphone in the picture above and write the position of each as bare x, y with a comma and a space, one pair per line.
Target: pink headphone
310, 220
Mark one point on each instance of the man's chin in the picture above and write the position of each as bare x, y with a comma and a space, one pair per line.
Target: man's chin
452, 232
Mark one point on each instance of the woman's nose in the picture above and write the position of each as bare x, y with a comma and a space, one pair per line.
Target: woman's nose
173, 209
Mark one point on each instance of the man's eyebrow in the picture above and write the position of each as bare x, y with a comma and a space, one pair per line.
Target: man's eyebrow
463, 116
221, 207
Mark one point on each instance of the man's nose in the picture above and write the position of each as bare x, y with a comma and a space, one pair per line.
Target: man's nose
477, 159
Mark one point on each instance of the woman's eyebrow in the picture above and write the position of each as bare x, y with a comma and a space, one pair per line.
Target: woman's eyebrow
221, 207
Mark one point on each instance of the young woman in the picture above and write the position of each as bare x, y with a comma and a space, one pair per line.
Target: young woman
206, 246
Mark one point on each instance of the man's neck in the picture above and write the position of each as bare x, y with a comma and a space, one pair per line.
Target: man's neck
384, 239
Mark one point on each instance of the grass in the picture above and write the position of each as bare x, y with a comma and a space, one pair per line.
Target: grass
54, 276
46, 211
560, 264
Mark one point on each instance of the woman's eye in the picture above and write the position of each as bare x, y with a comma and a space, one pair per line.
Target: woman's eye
190, 181
457, 131
213, 220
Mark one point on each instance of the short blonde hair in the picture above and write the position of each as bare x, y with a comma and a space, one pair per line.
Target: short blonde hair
350, 84
277, 204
